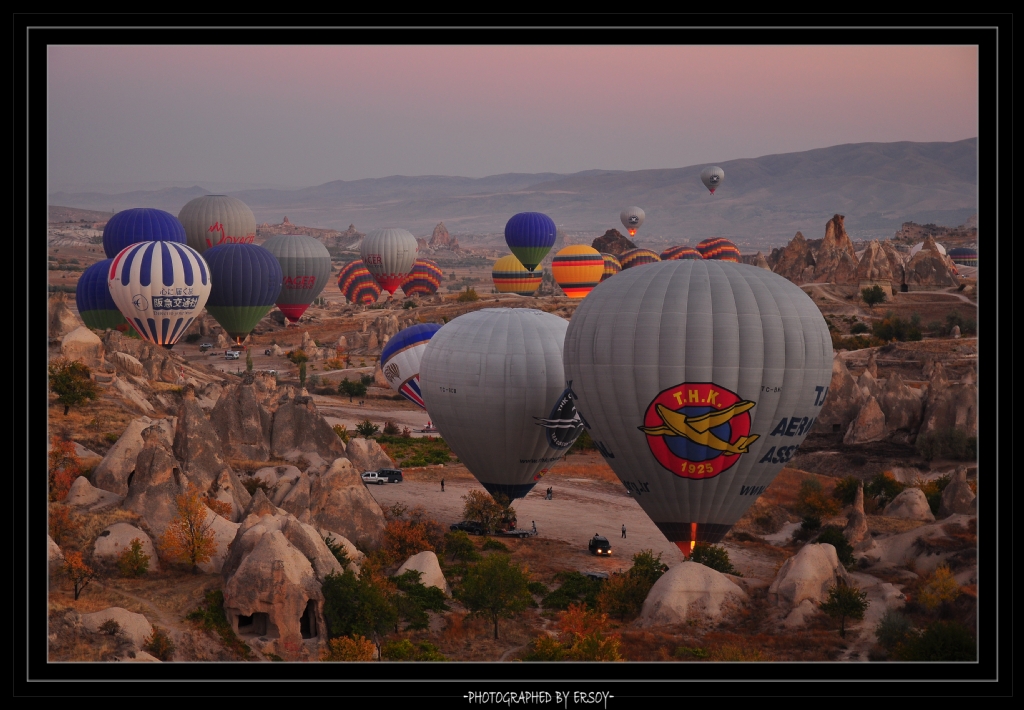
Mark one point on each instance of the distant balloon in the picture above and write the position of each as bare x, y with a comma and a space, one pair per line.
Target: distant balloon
212, 220
637, 257
140, 224
920, 245
674, 253
712, 177
93, 300
306, 268
530, 236
424, 279
510, 276
246, 283
698, 381
719, 249
400, 360
612, 266
632, 218
389, 255
577, 269
492, 382
965, 256
160, 287
357, 283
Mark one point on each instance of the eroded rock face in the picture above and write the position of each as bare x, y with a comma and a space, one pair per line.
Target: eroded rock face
760, 262
929, 268
113, 471
61, 319
366, 455
155, 484
857, 522
296, 501
796, 262
82, 344
135, 626
843, 402
835, 261
83, 496
241, 422
874, 264
126, 363
901, 405
808, 575
950, 406
430, 570
118, 537
688, 590
911, 504
339, 501
298, 425
957, 497
612, 242
868, 426
133, 395
897, 263
896, 551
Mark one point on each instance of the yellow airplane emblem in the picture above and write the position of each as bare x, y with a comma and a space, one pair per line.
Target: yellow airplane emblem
698, 429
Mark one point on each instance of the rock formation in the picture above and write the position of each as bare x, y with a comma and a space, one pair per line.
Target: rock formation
929, 269
949, 406
241, 421
127, 364
430, 570
298, 426
85, 498
760, 262
911, 504
688, 590
808, 575
112, 473
61, 319
340, 501
134, 627
843, 403
118, 537
835, 260
856, 522
155, 483
612, 242
897, 264
82, 344
868, 426
874, 270
901, 405
957, 497
366, 455
440, 239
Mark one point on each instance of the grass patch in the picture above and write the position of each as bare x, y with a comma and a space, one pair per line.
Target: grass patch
412, 452
211, 617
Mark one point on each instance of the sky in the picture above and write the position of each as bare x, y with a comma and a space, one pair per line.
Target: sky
139, 117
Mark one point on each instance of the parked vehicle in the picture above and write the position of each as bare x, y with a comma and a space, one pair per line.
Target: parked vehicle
598, 576
393, 475
231, 355
470, 526
599, 545
205, 346
372, 477
516, 532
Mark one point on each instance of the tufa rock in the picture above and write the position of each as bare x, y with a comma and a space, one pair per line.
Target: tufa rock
612, 242
911, 504
796, 261
340, 501
130, 393
155, 484
687, 590
950, 406
296, 501
955, 333
957, 496
857, 522
868, 426
298, 425
835, 260
901, 405
85, 498
366, 455
118, 537
61, 319
83, 345
113, 471
126, 363
135, 627
874, 265
760, 262
430, 570
242, 423
929, 269
808, 575
843, 403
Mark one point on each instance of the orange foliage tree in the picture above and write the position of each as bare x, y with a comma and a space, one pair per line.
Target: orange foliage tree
410, 532
347, 648
77, 571
582, 633
188, 539
64, 467
62, 523
220, 507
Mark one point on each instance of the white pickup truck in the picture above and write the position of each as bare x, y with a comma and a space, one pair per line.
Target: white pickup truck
372, 477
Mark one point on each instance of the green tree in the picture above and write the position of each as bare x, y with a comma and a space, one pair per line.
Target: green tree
714, 556
833, 535
846, 490
459, 547
133, 562
495, 588
941, 641
873, 295
359, 606
70, 381
893, 629
366, 428
845, 602
302, 374
248, 359
338, 550
483, 509
352, 389
624, 594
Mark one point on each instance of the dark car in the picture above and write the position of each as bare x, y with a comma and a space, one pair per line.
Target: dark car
600, 546
470, 526
392, 474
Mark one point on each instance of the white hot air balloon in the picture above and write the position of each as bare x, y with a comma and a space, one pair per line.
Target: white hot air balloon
217, 219
389, 255
492, 382
712, 177
698, 380
159, 287
632, 218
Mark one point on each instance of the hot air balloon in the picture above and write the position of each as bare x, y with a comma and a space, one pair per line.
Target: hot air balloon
492, 382
400, 360
140, 224
965, 256
211, 220
632, 218
612, 266
425, 278
246, 283
577, 269
510, 276
719, 249
637, 257
389, 255
530, 236
357, 283
92, 297
306, 267
712, 177
159, 287
673, 253
920, 245
698, 380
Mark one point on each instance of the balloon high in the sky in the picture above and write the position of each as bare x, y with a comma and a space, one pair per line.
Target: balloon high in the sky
93, 300
246, 284
305, 266
612, 266
211, 220
357, 283
492, 382
712, 177
632, 258
160, 287
400, 360
673, 253
140, 224
577, 269
424, 279
389, 255
718, 248
632, 218
530, 236
510, 276
698, 380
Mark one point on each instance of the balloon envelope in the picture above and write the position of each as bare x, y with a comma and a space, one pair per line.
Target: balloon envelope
632, 218
698, 380
160, 287
246, 283
510, 276
712, 177
637, 257
964, 256
719, 249
357, 283
530, 236
920, 245
211, 220
492, 382
140, 224
577, 269
424, 278
389, 255
93, 300
400, 360
612, 266
305, 267
673, 253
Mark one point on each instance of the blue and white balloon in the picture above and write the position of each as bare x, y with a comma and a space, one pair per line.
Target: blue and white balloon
400, 360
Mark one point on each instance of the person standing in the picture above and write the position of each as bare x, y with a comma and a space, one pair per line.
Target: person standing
534, 526
623, 531
442, 485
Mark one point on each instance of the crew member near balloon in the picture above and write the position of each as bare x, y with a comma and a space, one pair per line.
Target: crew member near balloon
697, 381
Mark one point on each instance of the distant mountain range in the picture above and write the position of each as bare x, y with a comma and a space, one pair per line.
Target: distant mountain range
763, 201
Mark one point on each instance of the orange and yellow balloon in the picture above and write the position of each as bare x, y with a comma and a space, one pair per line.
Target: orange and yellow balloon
577, 269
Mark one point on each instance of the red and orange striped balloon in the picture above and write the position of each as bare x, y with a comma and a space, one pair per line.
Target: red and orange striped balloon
424, 279
357, 283
510, 276
611, 266
637, 257
577, 269
675, 253
719, 248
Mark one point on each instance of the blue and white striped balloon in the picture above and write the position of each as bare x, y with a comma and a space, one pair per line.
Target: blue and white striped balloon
159, 287
400, 360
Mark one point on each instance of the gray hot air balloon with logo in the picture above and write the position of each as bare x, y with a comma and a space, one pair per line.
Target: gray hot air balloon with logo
492, 383
712, 177
211, 220
698, 380
632, 218
389, 255
306, 267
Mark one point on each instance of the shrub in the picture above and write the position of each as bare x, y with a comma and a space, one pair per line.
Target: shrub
302, 374
366, 428
933, 492
492, 544
808, 527
70, 380
713, 556
391, 429
347, 648
624, 594
495, 588
62, 523
338, 550
314, 381
941, 641
812, 501
483, 509
334, 364
576, 587
110, 627
409, 304
950, 443
188, 538
111, 437
872, 295
845, 602
893, 629
342, 431
468, 296
941, 587
967, 325
352, 389
582, 635
545, 648
159, 644
297, 356
883, 487
210, 616
253, 484
133, 562
583, 443
858, 328
846, 490
77, 571
833, 535
459, 547
64, 467
405, 650
892, 327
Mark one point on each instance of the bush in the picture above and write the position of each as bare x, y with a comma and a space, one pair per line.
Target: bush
297, 356
808, 527
468, 296
947, 444
624, 594
933, 492
253, 484
872, 295
133, 562
967, 325
833, 535
346, 648
210, 616
338, 550
894, 628
892, 327
366, 428
492, 544
64, 467
845, 602
715, 557
405, 650
159, 644
391, 429
110, 627
576, 587
62, 523
846, 490
858, 328
302, 374
941, 587
941, 641
342, 431
883, 487
583, 443
459, 547
70, 380
409, 304
812, 501
352, 389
